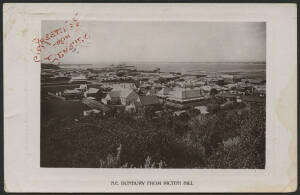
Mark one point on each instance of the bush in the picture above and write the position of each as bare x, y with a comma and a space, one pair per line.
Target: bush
213, 108
167, 142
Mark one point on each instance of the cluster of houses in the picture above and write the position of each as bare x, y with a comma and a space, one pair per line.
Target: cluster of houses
80, 92
67, 76
139, 91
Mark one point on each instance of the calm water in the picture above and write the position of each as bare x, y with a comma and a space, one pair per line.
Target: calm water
185, 67
202, 66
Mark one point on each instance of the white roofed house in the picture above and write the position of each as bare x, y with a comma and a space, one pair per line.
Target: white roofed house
78, 79
113, 97
83, 87
128, 96
202, 109
185, 95
123, 96
119, 86
130, 108
93, 92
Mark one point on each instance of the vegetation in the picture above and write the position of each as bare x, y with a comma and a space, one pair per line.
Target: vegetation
126, 140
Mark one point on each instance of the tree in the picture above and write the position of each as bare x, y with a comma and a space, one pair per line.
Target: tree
213, 92
213, 108
249, 152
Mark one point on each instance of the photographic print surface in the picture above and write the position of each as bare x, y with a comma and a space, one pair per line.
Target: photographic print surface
153, 94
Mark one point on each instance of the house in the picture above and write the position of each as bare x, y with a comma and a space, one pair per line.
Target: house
238, 99
46, 76
93, 92
92, 76
254, 99
83, 87
123, 96
89, 112
260, 90
148, 100
202, 109
256, 81
148, 104
206, 88
72, 94
151, 92
120, 86
128, 96
227, 96
130, 108
198, 83
93, 104
231, 86
227, 78
164, 92
145, 86
113, 97
59, 77
185, 95
78, 79
179, 113
158, 113
227, 104
231, 142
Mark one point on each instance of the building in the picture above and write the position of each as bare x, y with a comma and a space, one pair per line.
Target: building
227, 78
113, 97
130, 108
123, 96
180, 113
89, 112
93, 92
185, 95
256, 81
72, 94
119, 86
253, 99
147, 101
95, 105
202, 109
227, 96
78, 79
151, 92
92, 76
164, 92
260, 90
83, 87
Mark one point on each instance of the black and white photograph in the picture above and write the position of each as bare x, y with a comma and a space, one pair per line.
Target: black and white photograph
150, 97
130, 94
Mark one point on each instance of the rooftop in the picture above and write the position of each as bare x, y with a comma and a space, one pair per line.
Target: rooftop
71, 91
95, 104
149, 100
92, 90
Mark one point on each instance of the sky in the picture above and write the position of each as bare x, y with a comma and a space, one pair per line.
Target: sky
163, 42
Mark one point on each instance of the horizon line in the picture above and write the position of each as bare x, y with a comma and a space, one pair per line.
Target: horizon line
124, 62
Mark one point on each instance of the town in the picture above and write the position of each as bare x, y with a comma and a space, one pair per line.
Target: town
137, 91
202, 109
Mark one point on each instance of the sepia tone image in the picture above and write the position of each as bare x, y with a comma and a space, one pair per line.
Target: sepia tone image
153, 94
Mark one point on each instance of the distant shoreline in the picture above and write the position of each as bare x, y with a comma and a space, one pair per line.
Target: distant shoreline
182, 67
